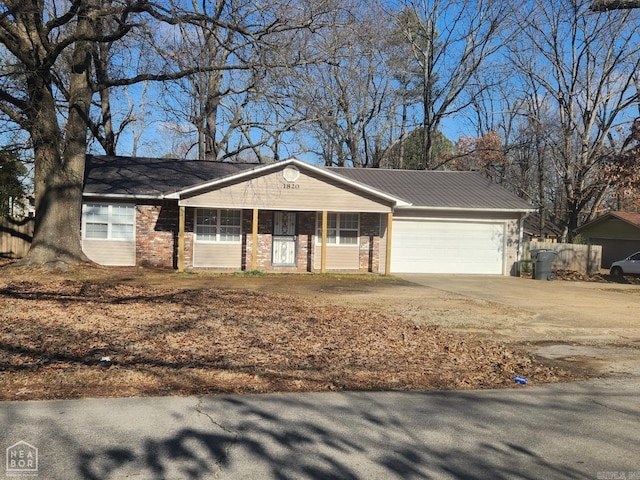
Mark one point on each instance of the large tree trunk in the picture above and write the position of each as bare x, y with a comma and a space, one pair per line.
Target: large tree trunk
58, 194
56, 240
59, 171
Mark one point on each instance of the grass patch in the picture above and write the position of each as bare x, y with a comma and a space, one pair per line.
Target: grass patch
250, 273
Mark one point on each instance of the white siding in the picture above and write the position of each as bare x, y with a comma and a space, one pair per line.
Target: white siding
310, 192
339, 257
118, 248
110, 252
217, 255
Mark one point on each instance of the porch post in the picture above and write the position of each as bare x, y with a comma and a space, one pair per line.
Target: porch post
323, 248
254, 240
181, 219
387, 257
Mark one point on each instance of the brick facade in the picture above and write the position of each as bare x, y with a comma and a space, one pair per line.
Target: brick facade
156, 235
306, 247
157, 239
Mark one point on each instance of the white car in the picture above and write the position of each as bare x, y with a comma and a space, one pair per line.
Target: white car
628, 266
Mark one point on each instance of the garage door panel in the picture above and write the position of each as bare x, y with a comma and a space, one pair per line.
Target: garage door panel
427, 246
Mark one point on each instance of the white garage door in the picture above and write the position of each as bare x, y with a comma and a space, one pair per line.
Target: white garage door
430, 246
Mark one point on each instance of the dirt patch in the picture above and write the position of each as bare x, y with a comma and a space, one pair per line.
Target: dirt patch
568, 275
168, 333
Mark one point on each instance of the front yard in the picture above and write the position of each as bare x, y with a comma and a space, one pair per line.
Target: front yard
166, 338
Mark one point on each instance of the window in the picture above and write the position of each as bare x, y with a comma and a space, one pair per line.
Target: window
217, 225
108, 221
342, 229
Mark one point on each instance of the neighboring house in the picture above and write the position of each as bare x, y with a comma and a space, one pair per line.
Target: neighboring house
292, 216
617, 232
549, 232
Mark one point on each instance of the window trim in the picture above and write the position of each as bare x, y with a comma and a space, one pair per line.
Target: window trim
337, 229
218, 226
110, 221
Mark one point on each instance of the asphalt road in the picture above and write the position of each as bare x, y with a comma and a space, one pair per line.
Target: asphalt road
573, 431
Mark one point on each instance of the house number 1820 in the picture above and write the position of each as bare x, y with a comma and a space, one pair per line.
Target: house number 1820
291, 186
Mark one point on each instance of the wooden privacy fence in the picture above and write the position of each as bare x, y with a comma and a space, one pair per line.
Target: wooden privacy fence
15, 237
569, 256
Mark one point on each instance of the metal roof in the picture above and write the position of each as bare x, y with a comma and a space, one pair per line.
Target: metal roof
439, 189
142, 177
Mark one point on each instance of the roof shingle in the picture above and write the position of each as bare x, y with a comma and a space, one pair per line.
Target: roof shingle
630, 217
153, 177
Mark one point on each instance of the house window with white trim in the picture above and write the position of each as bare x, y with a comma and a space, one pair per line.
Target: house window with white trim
342, 228
218, 225
108, 221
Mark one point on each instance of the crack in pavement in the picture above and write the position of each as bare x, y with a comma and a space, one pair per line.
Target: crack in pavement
609, 407
228, 446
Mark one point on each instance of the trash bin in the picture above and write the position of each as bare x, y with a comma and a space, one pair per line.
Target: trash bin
542, 261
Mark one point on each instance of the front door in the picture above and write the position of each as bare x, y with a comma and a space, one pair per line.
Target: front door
284, 239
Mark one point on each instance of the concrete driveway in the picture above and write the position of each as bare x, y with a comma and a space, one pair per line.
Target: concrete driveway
579, 304
586, 324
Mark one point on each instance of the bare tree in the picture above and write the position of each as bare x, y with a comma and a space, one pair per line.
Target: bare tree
451, 40
520, 112
107, 122
202, 100
231, 106
586, 66
38, 39
33, 42
342, 99
622, 169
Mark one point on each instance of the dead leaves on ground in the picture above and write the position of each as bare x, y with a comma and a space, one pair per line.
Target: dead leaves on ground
171, 341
